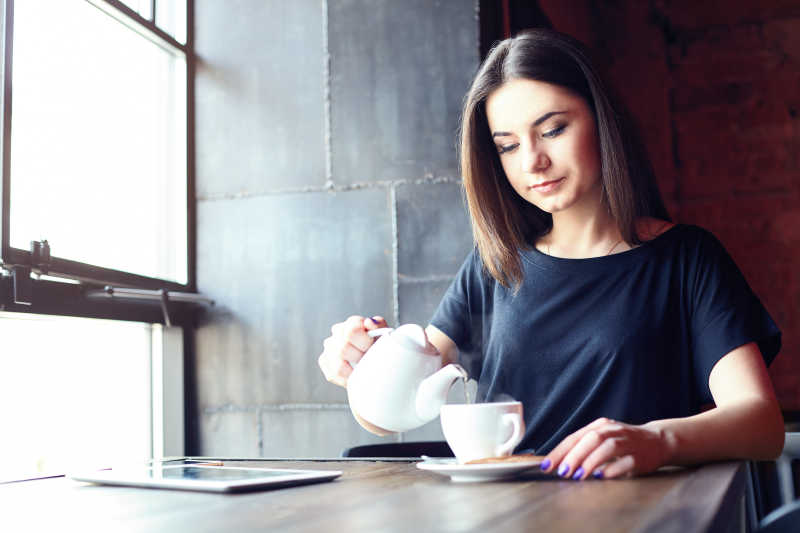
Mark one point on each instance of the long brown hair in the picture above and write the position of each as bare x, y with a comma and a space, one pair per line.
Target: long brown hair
502, 222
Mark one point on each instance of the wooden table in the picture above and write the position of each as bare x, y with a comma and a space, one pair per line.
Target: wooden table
379, 496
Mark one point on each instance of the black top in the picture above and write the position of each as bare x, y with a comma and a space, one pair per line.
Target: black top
631, 336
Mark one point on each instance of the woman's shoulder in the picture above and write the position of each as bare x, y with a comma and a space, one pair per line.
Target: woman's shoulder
473, 270
695, 240
648, 228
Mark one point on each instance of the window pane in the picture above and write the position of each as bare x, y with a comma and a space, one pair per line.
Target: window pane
171, 17
75, 393
143, 7
98, 141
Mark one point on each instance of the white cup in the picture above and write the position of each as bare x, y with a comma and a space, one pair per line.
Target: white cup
481, 430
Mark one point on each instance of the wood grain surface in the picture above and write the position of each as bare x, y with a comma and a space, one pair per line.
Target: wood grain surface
392, 496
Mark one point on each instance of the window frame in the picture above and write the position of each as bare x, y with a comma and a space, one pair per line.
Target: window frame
48, 295
171, 402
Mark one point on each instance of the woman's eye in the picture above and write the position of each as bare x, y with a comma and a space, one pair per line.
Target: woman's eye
554, 132
506, 148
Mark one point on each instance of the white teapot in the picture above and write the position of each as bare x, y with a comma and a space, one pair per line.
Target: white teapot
398, 385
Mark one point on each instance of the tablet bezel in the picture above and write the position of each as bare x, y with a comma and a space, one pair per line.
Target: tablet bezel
138, 477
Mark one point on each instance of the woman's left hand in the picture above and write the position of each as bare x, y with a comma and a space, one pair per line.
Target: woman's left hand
608, 449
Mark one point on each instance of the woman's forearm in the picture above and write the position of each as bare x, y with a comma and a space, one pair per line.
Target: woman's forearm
750, 429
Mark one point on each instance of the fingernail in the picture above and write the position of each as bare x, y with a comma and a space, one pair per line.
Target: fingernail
597, 474
545, 464
578, 473
374, 321
563, 469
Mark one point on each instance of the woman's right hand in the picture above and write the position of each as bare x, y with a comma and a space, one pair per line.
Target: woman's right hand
346, 346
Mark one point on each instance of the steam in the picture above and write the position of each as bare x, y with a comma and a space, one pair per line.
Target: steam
501, 397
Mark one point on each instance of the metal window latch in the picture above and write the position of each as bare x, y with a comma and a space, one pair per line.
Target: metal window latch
40, 256
161, 295
23, 287
164, 309
21, 274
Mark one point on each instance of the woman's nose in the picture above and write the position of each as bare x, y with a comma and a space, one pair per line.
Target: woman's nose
534, 160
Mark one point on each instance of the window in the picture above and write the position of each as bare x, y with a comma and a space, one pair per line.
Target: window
96, 152
96, 139
84, 393
75, 392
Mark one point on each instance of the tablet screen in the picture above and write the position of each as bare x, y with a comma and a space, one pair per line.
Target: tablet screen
216, 474
207, 478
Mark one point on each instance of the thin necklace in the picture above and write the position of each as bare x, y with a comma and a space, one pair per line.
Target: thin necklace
607, 253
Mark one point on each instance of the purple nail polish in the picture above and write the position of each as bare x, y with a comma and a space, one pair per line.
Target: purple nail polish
545, 464
578, 473
563, 469
597, 474
374, 321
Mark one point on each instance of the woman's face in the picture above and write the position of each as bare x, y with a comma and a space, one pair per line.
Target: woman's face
546, 137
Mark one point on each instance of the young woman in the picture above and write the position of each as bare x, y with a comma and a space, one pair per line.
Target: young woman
613, 326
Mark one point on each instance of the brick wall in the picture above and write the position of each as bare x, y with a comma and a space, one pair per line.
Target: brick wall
715, 86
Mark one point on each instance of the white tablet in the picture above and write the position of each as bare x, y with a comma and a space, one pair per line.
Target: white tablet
207, 478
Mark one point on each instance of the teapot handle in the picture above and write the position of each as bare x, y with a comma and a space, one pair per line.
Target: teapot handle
378, 332
375, 333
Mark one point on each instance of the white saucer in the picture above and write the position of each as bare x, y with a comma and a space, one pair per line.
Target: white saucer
477, 472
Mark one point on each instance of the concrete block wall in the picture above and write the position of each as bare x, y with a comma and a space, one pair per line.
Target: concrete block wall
327, 186
715, 87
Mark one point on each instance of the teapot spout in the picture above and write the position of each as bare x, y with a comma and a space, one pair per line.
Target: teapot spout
432, 392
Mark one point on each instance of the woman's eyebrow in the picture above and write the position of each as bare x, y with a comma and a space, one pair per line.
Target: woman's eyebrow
535, 123
546, 116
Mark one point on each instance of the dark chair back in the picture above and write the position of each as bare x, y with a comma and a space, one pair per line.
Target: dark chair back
784, 519
774, 505
767, 488
401, 449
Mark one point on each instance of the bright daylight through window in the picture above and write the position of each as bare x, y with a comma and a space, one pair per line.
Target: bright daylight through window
75, 393
97, 167
98, 139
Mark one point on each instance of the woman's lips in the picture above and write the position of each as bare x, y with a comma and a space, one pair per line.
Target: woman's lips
547, 186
